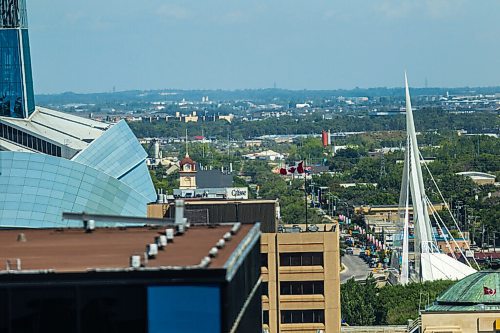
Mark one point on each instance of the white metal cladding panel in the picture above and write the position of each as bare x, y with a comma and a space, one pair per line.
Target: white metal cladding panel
115, 153
35, 190
140, 180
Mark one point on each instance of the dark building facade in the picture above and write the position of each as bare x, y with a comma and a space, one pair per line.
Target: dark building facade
161, 296
227, 211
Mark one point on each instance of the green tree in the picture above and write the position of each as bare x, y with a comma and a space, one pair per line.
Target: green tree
359, 302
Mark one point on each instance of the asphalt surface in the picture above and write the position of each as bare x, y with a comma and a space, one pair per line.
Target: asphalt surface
355, 267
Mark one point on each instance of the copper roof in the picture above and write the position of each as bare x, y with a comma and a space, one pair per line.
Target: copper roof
186, 160
73, 250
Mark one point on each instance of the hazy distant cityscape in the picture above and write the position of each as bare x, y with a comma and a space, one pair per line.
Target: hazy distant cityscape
365, 210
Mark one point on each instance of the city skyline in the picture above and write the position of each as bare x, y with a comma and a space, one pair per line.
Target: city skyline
226, 45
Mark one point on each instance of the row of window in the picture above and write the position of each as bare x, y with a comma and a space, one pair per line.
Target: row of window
302, 316
301, 259
27, 140
297, 316
302, 288
297, 288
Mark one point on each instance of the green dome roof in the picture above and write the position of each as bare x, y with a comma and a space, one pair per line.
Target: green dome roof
470, 290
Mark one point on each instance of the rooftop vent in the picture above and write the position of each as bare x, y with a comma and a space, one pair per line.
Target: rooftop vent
227, 236
13, 264
220, 244
21, 237
213, 252
135, 261
170, 234
152, 251
89, 226
179, 212
181, 229
161, 241
236, 227
205, 262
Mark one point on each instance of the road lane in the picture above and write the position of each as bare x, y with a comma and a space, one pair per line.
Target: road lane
355, 267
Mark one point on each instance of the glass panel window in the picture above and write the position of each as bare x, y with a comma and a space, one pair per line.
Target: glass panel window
301, 287
301, 259
265, 288
13, 102
302, 316
265, 317
317, 259
263, 260
306, 260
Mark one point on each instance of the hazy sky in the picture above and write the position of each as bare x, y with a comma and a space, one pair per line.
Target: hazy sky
95, 45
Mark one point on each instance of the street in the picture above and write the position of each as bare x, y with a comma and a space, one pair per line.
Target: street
355, 267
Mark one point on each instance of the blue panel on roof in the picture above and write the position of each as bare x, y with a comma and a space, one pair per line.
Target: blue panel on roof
187, 309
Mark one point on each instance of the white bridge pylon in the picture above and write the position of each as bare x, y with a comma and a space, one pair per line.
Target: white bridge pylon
429, 263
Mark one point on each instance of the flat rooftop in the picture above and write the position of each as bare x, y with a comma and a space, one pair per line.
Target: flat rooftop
65, 129
202, 201
74, 250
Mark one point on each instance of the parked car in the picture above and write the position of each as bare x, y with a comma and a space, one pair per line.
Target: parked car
312, 228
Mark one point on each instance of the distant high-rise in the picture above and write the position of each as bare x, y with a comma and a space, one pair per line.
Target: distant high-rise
16, 83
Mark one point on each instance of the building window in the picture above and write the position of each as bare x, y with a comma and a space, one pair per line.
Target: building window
27, 140
263, 260
301, 259
302, 316
265, 288
265, 317
302, 288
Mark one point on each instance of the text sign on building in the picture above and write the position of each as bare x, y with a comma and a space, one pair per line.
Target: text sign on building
237, 193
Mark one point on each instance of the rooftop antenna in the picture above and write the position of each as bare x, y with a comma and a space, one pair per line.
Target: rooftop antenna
187, 151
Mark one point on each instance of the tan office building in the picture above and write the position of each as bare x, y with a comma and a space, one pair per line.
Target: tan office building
301, 282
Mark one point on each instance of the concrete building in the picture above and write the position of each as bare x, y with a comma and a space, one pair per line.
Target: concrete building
209, 212
301, 282
480, 178
300, 269
472, 305
131, 280
266, 155
253, 143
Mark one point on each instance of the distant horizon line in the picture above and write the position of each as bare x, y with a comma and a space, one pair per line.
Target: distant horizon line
261, 89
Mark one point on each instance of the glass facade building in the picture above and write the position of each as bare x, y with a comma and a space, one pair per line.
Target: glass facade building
108, 177
16, 82
35, 189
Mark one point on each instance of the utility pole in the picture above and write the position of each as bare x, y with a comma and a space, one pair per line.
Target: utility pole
305, 195
482, 237
494, 241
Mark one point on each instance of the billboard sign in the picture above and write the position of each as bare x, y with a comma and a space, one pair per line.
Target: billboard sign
237, 193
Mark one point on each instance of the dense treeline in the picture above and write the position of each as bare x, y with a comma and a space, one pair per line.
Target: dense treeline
255, 95
363, 304
425, 120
